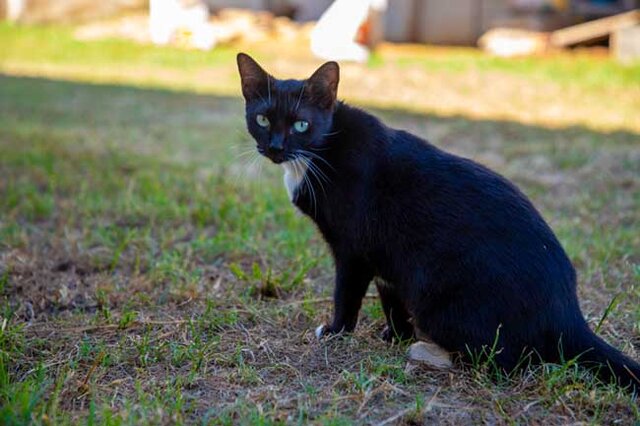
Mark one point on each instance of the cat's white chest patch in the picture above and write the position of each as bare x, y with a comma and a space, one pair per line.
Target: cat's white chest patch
293, 175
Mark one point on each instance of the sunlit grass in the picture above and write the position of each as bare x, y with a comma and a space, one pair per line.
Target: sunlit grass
559, 89
582, 69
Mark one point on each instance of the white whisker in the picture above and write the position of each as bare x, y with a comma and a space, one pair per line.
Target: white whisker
316, 156
247, 162
315, 170
312, 170
260, 164
313, 191
318, 172
306, 182
298, 178
261, 98
246, 153
269, 88
299, 98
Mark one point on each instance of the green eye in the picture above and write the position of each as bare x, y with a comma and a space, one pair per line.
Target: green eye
262, 120
301, 126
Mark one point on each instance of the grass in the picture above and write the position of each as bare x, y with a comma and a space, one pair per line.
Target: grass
150, 274
561, 90
583, 68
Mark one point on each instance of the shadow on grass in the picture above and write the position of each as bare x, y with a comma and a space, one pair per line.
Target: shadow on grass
59, 103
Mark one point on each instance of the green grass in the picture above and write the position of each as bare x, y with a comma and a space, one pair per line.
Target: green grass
57, 45
558, 90
149, 274
581, 69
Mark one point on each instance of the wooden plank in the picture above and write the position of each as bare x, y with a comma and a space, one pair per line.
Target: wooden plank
594, 30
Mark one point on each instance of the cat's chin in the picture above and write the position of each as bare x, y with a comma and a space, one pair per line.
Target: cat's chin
277, 160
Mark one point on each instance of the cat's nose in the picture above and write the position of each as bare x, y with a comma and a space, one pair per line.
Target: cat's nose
276, 144
276, 148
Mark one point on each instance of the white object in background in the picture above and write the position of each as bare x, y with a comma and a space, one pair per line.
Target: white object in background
334, 36
161, 24
167, 17
15, 9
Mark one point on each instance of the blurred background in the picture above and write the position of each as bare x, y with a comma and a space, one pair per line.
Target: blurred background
401, 43
150, 256
205, 23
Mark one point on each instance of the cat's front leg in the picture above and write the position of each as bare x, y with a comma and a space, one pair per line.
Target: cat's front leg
352, 279
399, 325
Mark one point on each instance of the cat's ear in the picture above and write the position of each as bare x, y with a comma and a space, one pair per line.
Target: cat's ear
323, 85
255, 81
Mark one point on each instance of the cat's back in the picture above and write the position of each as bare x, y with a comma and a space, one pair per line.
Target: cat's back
415, 160
450, 207
408, 177
415, 163
457, 193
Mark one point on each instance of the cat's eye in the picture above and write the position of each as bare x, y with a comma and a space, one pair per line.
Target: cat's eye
262, 120
301, 126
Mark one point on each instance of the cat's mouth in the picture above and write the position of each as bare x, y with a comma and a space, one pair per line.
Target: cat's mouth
276, 157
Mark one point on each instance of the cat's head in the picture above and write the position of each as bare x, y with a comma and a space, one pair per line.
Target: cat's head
287, 117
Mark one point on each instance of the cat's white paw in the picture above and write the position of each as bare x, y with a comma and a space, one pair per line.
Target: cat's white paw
320, 331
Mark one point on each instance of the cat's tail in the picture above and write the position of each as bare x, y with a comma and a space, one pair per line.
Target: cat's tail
608, 363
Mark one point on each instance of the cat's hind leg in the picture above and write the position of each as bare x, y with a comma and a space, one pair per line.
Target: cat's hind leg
399, 325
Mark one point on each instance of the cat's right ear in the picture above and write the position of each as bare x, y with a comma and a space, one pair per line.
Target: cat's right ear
323, 85
256, 82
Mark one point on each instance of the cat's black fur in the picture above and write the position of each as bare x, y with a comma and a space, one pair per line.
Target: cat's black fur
459, 252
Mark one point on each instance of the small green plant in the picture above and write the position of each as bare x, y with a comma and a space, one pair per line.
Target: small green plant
4, 279
216, 318
21, 401
611, 307
362, 381
102, 300
127, 319
415, 416
484, 360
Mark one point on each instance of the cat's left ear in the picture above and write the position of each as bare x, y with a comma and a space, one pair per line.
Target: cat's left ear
323, 85
255, 80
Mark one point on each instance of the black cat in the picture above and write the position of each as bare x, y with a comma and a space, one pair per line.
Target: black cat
461, 255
